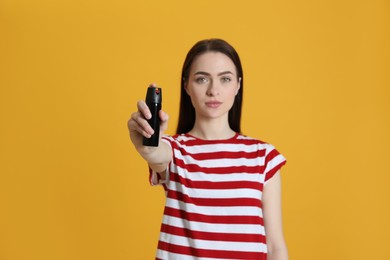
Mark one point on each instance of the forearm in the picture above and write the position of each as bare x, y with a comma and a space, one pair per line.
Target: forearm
159, 161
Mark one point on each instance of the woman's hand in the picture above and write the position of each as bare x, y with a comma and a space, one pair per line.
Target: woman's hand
139, 127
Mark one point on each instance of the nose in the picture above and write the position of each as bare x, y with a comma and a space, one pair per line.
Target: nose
213, 89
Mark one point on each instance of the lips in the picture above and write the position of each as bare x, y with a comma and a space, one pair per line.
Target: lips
213, 104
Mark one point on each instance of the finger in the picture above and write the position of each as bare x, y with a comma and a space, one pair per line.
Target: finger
141, 125
134, 127
164, 120
144, 109
163, 116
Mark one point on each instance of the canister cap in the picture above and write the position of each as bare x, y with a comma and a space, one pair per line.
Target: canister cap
154, 95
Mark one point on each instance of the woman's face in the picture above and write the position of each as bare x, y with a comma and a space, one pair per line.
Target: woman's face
212, 85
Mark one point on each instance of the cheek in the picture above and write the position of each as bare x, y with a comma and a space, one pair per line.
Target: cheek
195, 97
234, 93
232, 96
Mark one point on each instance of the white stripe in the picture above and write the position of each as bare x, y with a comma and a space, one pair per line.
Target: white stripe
201, 176
215, 193
214, 227
183, 137
212, 148
274, 162
179, 138
214, 211
213, 245
243, 137
214, 163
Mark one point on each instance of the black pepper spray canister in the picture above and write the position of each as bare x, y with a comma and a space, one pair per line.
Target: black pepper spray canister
153, 100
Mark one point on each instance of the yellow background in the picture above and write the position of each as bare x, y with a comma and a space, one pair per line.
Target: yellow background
317, 86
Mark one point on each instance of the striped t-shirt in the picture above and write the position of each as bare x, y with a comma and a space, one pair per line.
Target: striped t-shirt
213, 204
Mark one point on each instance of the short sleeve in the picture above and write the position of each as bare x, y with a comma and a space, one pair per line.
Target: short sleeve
154, 177
273, 162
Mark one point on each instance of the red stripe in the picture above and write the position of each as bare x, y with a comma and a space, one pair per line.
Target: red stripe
271, 155
222, 154
158, 179
196, 217
194, 141
212, 185
221, 254
150, 176
215, 202
220, 170
201, 235
274, 170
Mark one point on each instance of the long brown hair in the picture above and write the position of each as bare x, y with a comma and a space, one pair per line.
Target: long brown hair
187, 110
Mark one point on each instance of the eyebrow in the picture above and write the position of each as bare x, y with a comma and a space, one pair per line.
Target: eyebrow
208, 74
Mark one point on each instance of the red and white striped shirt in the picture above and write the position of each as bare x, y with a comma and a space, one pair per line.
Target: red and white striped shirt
213, 204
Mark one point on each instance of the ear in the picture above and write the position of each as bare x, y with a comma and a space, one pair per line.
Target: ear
238, 85
185, 86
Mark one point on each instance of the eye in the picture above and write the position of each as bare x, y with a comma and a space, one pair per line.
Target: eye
226, 79
201, 80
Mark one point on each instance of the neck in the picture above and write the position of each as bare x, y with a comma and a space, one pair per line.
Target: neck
212, 129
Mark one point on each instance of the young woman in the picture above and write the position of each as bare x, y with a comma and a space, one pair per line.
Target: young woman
223, 189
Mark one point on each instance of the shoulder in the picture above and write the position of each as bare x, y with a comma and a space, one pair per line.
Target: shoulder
243, 137
251, 140
178, 139
260, 144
